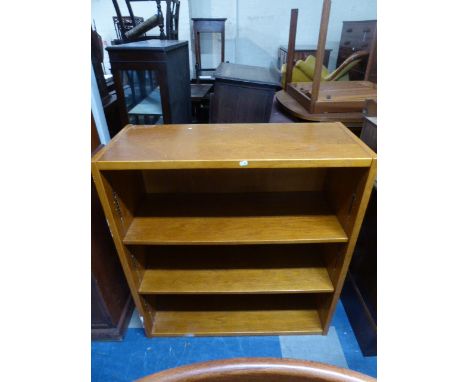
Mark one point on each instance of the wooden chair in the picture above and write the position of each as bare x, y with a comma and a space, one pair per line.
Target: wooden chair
346, 66
207, 25
307, 69
132, 29
258, 370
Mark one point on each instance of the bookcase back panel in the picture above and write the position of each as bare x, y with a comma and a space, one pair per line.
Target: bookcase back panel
233, 180
344, 189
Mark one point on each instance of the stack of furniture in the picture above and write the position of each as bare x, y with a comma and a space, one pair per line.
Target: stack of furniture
235, 229
152, 81
356, 36
325, 101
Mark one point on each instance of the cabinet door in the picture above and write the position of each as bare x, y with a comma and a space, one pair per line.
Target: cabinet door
100, 318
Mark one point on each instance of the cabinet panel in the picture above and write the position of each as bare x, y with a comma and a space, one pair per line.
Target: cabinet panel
355, 36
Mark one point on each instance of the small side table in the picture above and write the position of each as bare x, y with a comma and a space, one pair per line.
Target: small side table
300, 53
243, 94
152, 81
206, 25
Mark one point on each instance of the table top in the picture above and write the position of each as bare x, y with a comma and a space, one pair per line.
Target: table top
153, 45
246, 73
248, 145
209, 19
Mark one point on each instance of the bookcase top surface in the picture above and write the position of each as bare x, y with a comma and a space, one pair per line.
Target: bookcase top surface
260, 145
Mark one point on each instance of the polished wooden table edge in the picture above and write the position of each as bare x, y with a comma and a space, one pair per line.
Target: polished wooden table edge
301, 113
248, 367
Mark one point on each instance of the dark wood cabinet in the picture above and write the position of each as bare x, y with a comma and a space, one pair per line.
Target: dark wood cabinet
359, 295
355, 36
243, 94
111, 302
152, 80
301, 52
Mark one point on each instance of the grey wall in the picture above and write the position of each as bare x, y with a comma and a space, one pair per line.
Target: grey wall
254, 28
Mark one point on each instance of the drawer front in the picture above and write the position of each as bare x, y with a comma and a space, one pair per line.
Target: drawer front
357, 35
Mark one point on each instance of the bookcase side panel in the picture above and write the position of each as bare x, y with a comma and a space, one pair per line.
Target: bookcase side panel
350, 208
116, 227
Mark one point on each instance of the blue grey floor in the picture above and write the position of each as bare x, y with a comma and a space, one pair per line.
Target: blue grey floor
137, 356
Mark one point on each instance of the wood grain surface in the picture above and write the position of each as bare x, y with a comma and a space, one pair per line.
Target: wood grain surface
258, 370
231, 270
248, 218
233, 146
234, 314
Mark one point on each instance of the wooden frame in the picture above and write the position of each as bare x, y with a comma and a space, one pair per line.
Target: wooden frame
324, 101
207, 25
235, 228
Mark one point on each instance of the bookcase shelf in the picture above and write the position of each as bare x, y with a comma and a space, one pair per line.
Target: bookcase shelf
235, 270
235, 229
248, 218
236, 315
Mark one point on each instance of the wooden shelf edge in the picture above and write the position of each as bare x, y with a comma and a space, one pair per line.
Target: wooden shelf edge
235, 230
231, 334
173, 323
236, 281
233, 242
231, 164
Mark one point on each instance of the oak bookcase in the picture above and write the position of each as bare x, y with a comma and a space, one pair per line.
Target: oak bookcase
235, 228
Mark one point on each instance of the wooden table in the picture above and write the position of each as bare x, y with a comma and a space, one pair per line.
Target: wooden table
243, 93
235, 228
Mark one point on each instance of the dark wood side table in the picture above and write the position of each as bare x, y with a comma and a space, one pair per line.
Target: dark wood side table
152, 80
206, 25
300, 53
243, 94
